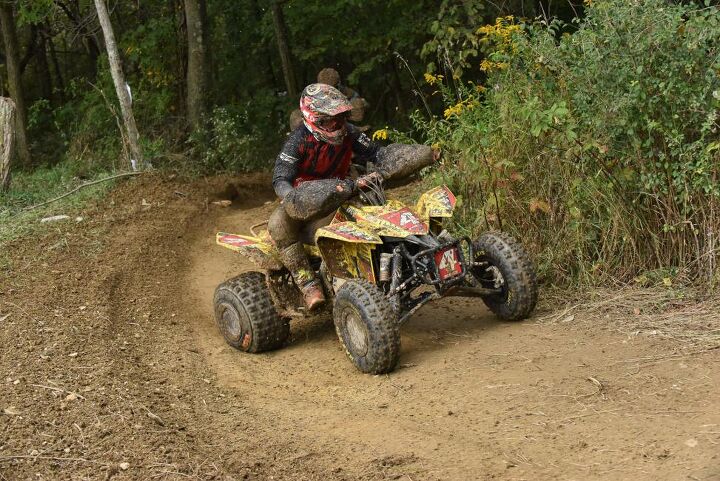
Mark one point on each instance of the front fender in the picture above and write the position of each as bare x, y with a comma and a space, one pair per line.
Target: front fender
437, 202
347, 250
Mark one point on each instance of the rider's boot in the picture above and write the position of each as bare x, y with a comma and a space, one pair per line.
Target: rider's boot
295, 259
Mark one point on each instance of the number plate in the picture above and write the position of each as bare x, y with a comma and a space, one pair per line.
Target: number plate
448, 262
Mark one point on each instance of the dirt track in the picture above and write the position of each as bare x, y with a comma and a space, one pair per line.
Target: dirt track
110, 356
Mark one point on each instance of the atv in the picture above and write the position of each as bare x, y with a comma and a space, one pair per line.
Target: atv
379, 261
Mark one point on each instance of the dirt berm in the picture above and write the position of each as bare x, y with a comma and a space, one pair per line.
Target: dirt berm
112, 368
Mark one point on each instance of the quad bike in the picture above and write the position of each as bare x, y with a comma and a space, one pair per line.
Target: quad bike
379, 261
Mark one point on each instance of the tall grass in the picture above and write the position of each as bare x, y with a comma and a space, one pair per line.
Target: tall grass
599, 149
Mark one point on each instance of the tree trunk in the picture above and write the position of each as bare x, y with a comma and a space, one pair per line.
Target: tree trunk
43, 68
7, 140
47, 33
197, 74
121, 87
397, 87
7, 21
284, 49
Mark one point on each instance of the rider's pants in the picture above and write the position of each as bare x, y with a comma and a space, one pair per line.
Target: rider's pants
289, 235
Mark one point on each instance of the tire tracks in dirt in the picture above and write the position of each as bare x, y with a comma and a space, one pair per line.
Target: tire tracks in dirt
162, 392
476, 399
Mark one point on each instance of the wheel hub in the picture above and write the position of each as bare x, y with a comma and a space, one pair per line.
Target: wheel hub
357, 334
232, 322
498, 279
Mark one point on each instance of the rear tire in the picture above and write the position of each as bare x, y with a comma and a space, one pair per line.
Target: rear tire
367, 327
507, 256
246, 316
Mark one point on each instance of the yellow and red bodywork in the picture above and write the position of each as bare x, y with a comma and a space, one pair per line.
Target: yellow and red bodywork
346, 245
437, 203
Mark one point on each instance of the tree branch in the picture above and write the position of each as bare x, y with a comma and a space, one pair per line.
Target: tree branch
87, 184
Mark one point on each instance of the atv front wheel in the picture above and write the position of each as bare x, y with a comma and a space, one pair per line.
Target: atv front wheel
367, 327
246, 316
510, 270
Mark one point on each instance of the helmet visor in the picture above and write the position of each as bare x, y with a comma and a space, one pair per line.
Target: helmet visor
333, 123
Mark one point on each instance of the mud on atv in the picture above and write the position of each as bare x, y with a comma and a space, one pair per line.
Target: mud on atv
379, 261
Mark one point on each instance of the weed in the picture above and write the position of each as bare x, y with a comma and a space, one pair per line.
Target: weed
599, 148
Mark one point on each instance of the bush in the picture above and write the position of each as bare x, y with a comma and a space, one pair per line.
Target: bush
231, 142
600, 148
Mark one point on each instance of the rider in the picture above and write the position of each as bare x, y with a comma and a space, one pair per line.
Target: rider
331, 77
317, 155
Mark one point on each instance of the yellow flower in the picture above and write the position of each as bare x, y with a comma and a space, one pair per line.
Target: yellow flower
488, 66
433, 79
453, 111
458, 108
500, 34
381, 134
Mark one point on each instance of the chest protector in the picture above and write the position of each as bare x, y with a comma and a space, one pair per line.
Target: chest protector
321, 160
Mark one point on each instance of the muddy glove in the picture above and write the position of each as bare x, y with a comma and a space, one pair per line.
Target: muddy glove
399, 160
317, 198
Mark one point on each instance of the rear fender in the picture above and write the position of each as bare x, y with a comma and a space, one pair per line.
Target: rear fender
259, 250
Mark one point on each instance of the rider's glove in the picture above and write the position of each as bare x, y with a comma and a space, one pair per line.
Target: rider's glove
317, 198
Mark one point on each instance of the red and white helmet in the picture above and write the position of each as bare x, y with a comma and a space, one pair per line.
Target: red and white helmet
324, 109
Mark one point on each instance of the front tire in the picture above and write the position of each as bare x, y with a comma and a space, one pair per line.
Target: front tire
246, 316
511, 268
367, 327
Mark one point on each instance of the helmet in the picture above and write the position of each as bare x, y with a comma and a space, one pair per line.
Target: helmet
329, 76
324, 109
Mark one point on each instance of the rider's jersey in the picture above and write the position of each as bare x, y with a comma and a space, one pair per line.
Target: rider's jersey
305, 158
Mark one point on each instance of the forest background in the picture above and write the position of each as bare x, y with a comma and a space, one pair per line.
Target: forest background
589, 130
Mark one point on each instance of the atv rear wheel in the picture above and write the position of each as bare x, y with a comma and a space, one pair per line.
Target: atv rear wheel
511, 271
367, 327
246, 316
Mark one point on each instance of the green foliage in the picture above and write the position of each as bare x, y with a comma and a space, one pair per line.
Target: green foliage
455, 40
34, 11
43, 184
600, 147
230, 143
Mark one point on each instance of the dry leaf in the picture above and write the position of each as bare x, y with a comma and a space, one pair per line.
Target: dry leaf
223, 203
11, 411
539, 205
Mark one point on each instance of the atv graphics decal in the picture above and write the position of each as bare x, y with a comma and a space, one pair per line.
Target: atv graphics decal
407, 220
347, 260
448, 263
438, 202
347, 231
258, 249
234, 240
392, 219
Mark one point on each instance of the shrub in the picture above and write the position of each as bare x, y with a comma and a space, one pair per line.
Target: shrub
599, 147
231, 142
